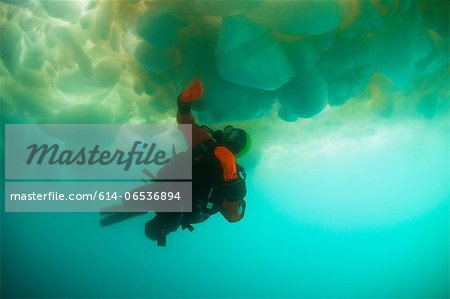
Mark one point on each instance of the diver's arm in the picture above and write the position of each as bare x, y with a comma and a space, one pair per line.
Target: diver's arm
232, 189
197, 135
184, 102
233, 211
184, 115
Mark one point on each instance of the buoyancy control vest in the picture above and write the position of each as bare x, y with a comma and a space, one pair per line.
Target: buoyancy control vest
216, 178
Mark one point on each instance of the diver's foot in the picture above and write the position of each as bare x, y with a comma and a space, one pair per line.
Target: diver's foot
152, 229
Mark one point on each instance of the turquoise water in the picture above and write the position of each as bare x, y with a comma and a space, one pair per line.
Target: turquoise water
348, 177
267, 255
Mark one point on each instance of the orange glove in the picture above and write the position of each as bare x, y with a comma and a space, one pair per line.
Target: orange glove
193, 92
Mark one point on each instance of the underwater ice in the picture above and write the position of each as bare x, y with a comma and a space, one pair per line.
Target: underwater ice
247, 55
159, 28
293, 58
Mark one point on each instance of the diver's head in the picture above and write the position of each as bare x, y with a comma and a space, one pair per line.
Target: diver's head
237, 140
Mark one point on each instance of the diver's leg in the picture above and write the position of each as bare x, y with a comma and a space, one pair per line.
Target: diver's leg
110, 218
162, 225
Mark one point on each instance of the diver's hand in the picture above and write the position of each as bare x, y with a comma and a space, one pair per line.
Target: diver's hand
192, 93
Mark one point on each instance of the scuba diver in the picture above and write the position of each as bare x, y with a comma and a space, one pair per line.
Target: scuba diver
218, 182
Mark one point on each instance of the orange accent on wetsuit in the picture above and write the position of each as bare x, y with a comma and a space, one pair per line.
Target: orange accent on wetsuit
232, 209
228, 162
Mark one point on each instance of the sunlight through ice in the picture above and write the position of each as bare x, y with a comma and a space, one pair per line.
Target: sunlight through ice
358, 176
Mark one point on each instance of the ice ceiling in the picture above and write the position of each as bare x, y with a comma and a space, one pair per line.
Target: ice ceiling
126, 61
